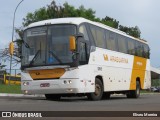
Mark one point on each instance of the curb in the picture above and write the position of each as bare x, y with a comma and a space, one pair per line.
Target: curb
18, 95
36, 95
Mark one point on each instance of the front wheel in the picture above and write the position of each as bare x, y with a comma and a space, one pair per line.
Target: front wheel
97, 95
134, 93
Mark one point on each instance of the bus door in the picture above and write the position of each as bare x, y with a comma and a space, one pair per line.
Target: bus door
83, 45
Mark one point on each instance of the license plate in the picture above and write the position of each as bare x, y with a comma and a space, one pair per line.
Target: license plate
44, 85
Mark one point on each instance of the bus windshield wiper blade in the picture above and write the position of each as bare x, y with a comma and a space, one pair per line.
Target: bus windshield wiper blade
55, 56
34, 58
24, 42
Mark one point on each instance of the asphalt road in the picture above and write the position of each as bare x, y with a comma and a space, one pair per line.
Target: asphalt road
147, 102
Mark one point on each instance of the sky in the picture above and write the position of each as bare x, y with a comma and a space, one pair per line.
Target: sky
141, 13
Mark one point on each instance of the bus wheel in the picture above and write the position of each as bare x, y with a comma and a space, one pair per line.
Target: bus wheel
97, 95
134, 93
52, 96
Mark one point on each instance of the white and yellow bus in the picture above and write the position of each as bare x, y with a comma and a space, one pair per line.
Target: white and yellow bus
76, 56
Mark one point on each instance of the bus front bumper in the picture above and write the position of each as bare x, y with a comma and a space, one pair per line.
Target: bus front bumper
59, 86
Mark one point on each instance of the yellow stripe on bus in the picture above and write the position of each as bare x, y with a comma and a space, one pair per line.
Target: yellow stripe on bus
138, 71
46, 74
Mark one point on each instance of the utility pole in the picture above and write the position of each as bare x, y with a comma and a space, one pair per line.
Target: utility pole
13, 37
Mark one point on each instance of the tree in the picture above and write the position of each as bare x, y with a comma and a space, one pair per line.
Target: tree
110, 22
55, 11
133, 31
5, 56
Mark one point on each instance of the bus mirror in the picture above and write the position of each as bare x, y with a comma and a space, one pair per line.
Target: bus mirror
80, 35
11, 48
72, 43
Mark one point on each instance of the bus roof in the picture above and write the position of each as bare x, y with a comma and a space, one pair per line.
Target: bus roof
78, 21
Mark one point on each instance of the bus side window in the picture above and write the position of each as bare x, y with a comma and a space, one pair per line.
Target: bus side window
111, 42
146, 51
98, 35
82, 55
131, 46
100, 38
93, 31
139, 49
83, 30
122, 46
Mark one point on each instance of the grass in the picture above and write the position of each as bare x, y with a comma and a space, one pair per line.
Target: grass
145, 91
16, 89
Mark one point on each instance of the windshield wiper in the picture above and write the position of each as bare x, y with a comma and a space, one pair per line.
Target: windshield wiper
55, 56
24, 42
34, 58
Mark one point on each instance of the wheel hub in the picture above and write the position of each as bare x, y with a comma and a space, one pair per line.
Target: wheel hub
97, 90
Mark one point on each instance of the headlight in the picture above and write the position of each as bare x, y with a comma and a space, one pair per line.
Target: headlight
65, 82
69, 81
25, 83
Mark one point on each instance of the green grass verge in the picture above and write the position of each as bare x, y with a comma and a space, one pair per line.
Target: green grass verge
145, 91
10, 89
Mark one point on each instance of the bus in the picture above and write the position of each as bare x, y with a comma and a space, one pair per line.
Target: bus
12, 79
2, 77
75, 56
5, 78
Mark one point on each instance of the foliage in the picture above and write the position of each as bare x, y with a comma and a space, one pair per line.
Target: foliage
133, 31
155, 82
55, 11
110, 22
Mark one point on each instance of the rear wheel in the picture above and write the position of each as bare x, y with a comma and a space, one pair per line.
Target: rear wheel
97, 95
52, 96
134, 93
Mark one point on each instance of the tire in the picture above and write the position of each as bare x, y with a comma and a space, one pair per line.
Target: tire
52, 96
97, 95
134, 93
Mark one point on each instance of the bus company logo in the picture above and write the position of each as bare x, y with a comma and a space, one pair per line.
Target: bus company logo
37, 73
139, 63
118, 59
6, 114
105, 57
115, 59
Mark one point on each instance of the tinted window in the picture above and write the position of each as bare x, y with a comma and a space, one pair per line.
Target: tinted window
82, 29
139, 49
111, 41
13, 78
122, 46
93, 31
82, 52
146, 51
98, 35
131, 46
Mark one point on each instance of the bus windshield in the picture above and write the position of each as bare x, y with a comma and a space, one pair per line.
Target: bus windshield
48, 45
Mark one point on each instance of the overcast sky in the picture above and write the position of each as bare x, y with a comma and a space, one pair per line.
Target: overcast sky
143, 13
